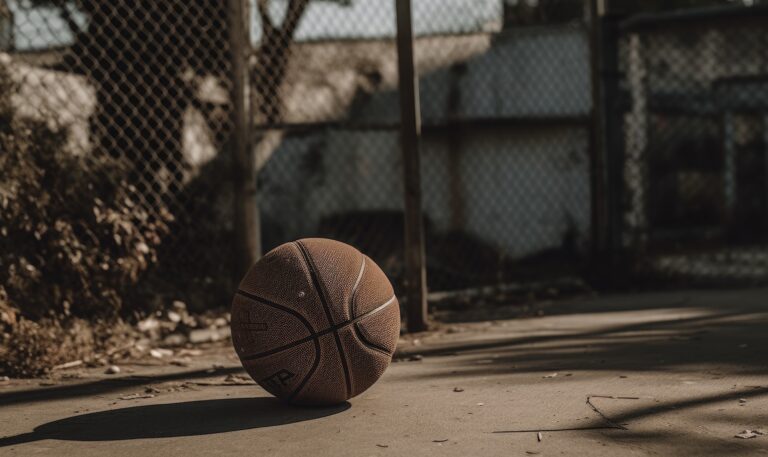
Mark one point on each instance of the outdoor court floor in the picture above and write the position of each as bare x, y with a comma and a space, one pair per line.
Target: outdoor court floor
670, 374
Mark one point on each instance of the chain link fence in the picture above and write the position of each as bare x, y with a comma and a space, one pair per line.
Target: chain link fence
695, 144
138, 96
505, 112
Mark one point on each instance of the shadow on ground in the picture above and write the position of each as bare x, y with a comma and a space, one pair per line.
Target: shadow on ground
174, 420
103, 386
721, 333
635, 345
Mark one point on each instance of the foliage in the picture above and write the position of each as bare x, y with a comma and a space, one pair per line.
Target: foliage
73, 239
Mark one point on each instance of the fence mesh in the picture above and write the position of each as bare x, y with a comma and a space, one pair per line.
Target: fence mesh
505, 174
138, 94
139, 90
695, 146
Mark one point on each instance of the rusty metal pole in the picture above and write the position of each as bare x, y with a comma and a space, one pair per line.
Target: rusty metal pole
410, 137
246, 210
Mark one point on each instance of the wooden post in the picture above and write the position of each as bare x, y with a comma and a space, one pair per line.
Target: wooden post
246, 210
410, 137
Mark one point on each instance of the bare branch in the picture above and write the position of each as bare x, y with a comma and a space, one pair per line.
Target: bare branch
293, 17
266, 19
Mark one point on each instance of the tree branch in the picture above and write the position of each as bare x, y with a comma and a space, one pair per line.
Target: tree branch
266, 19
293, 17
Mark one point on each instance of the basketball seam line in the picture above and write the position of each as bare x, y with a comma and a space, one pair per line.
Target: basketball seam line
286, 309
310, 373
306, 324
323, 300
361, 335
353, 298
357, 329
313, 335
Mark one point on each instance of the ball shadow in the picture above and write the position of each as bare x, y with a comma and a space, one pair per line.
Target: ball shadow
174, 420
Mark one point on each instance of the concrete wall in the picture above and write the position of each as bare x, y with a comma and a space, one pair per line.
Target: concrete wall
520, 190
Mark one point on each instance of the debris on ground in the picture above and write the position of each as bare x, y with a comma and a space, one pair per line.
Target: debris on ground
209, 335
439, 441
237, 379
181, 361
539, 437
5, 379
230, 380
113, 369
458, 389
64, 366
136, 396
748, 434
160, 353
553, 375
416, 358
382, 445
175, 339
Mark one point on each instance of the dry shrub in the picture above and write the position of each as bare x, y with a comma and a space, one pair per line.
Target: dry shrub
73, 238
74, 242
33, 348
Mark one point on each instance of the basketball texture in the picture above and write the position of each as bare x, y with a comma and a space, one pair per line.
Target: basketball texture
315, 322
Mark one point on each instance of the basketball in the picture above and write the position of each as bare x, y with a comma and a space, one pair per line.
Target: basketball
315, 322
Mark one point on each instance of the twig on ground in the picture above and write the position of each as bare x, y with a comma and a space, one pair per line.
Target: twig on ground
64, 366
611, 425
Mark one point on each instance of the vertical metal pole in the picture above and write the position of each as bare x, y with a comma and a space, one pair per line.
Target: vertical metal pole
246, 210
410, 137
598, 170
613, 134
607, 140
729, 165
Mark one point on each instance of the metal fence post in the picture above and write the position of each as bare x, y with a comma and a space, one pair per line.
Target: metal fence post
410, 136
598, 172
246, 211
607, 139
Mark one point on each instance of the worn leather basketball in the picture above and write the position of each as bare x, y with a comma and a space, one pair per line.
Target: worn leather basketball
315, 322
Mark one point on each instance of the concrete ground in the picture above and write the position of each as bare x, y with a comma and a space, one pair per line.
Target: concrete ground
669, 374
